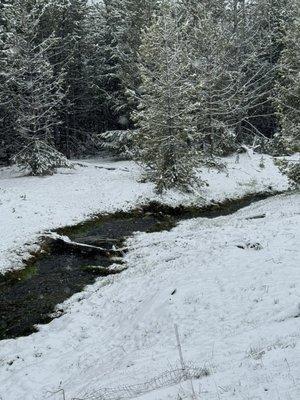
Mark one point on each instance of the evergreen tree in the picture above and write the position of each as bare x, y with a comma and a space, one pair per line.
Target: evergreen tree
115, 55
119, 143
210, 45
66, 18
7, 137
38, 158
165, 116
139, 15
96, 107
238, 43
264, 38
71, 32
123, 21
31, 93
288, 88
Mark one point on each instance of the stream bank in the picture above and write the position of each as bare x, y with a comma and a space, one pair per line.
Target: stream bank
30, 296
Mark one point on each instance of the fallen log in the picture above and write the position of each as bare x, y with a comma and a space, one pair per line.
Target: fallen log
64, 243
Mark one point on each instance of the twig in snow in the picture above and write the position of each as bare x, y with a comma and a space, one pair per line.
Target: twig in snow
259, 216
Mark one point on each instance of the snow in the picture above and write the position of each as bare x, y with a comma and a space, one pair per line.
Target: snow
29, 206
237, 311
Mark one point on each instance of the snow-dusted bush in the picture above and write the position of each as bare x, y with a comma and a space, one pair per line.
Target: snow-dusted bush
39, 158
291, 169
285, 143
118, 142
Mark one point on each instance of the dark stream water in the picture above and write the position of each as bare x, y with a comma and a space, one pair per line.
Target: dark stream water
30, 296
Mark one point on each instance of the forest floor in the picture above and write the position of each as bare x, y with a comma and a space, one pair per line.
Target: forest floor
231, 284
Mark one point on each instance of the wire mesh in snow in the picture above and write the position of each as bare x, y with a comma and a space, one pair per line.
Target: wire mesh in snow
168, 378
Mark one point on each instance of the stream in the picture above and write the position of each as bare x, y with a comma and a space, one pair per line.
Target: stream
30, 296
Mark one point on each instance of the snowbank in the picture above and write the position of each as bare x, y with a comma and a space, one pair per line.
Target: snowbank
232, 286
31, 205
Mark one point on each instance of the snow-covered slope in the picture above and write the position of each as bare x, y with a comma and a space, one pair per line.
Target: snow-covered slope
232, 286
31, 205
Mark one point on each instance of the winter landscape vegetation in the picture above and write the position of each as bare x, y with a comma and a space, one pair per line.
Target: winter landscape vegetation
149, 199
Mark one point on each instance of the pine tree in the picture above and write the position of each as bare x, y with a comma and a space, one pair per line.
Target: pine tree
288, 87
165, 116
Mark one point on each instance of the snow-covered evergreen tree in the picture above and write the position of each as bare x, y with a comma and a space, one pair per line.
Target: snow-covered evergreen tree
210, 46
123, 21
7, 136
119, 143
96, 108
115, 56
238, 45
287, 95
166, 112
31, 92
262, 51
66, 18
140, 14
38, 158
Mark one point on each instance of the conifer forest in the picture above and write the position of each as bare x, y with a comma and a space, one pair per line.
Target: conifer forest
149, 199
190, 79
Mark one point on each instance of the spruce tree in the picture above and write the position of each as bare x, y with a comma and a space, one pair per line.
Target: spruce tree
288, 88
116, 53
30, 93
210, 45
7, 137
123, 21
238, 45
66, 18
264, 45
165, 117
96, 107
3, 110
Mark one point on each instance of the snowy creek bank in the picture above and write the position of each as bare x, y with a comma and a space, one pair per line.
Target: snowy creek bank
76, 255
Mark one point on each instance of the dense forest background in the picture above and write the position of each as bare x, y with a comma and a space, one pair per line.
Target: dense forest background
166, 82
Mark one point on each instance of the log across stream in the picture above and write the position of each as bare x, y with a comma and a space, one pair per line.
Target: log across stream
30, 296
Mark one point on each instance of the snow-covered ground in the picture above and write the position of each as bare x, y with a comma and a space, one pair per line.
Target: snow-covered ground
31, 205
232, 286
